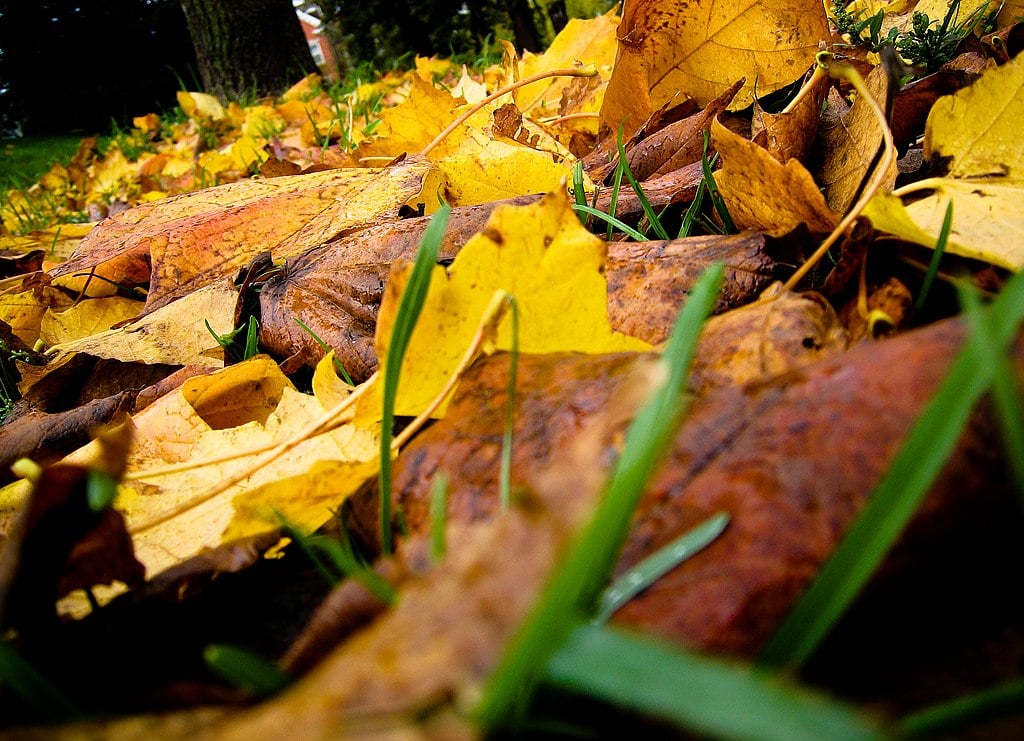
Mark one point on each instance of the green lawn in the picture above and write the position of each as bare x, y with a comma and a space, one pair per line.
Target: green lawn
23, 160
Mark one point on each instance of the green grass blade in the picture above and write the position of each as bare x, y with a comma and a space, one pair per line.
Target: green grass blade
690, 217
505, 477
337, 363
24, 680
948, 717
659, 563
100, 489
252, 338
933, 265
613, 203
341, 555
920, 459
612, 222
645, 204
716, 196
245, 670
578, 193
715, 698
408, 314
438, 515
572, 591
1006, 393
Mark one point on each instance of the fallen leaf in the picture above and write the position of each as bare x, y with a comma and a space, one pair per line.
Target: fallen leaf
764, 194
790, 134
700, 49
86, 318
985, 183
542, 256
851, 143
195, 239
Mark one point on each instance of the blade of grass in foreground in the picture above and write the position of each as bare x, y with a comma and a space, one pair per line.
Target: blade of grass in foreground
920, 459
23, 679
652, 568
245, 670
947, 717
572, 591
696, 692
1005, 389
409, 307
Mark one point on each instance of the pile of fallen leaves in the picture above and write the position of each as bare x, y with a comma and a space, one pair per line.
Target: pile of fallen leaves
210, 356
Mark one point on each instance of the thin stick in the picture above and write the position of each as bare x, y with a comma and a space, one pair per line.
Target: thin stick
586, 71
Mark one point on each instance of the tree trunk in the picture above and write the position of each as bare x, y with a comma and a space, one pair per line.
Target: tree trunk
524, 27
558, 14
247, 46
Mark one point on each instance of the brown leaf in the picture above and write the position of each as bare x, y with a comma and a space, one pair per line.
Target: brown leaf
791, 134
757, 452
679, 143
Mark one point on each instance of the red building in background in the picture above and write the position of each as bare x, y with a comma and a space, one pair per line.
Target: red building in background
319, 46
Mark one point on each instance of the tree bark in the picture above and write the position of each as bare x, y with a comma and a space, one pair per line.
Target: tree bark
524, 27
247, 46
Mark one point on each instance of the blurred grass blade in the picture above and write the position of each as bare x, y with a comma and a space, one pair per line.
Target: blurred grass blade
612, 222
24, 680
409, 307
505, 476
339, 551
946, 718
438, 515
933, 265
645, 204
245, 670
714, 698
1006, 393
572, 591
659, 563
920, 459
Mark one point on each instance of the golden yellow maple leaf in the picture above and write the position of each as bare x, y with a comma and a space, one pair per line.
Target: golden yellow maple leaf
200, 105
699, 49
978, 127
544, 258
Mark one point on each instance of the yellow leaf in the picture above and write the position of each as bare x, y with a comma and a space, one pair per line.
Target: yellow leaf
979, 126
174, 334
327, 387
988, 221
541, 255
699, 49
87, 318
499, 170
411, 126
245, 407
305, 501
764, 194
24, 312
200, 105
